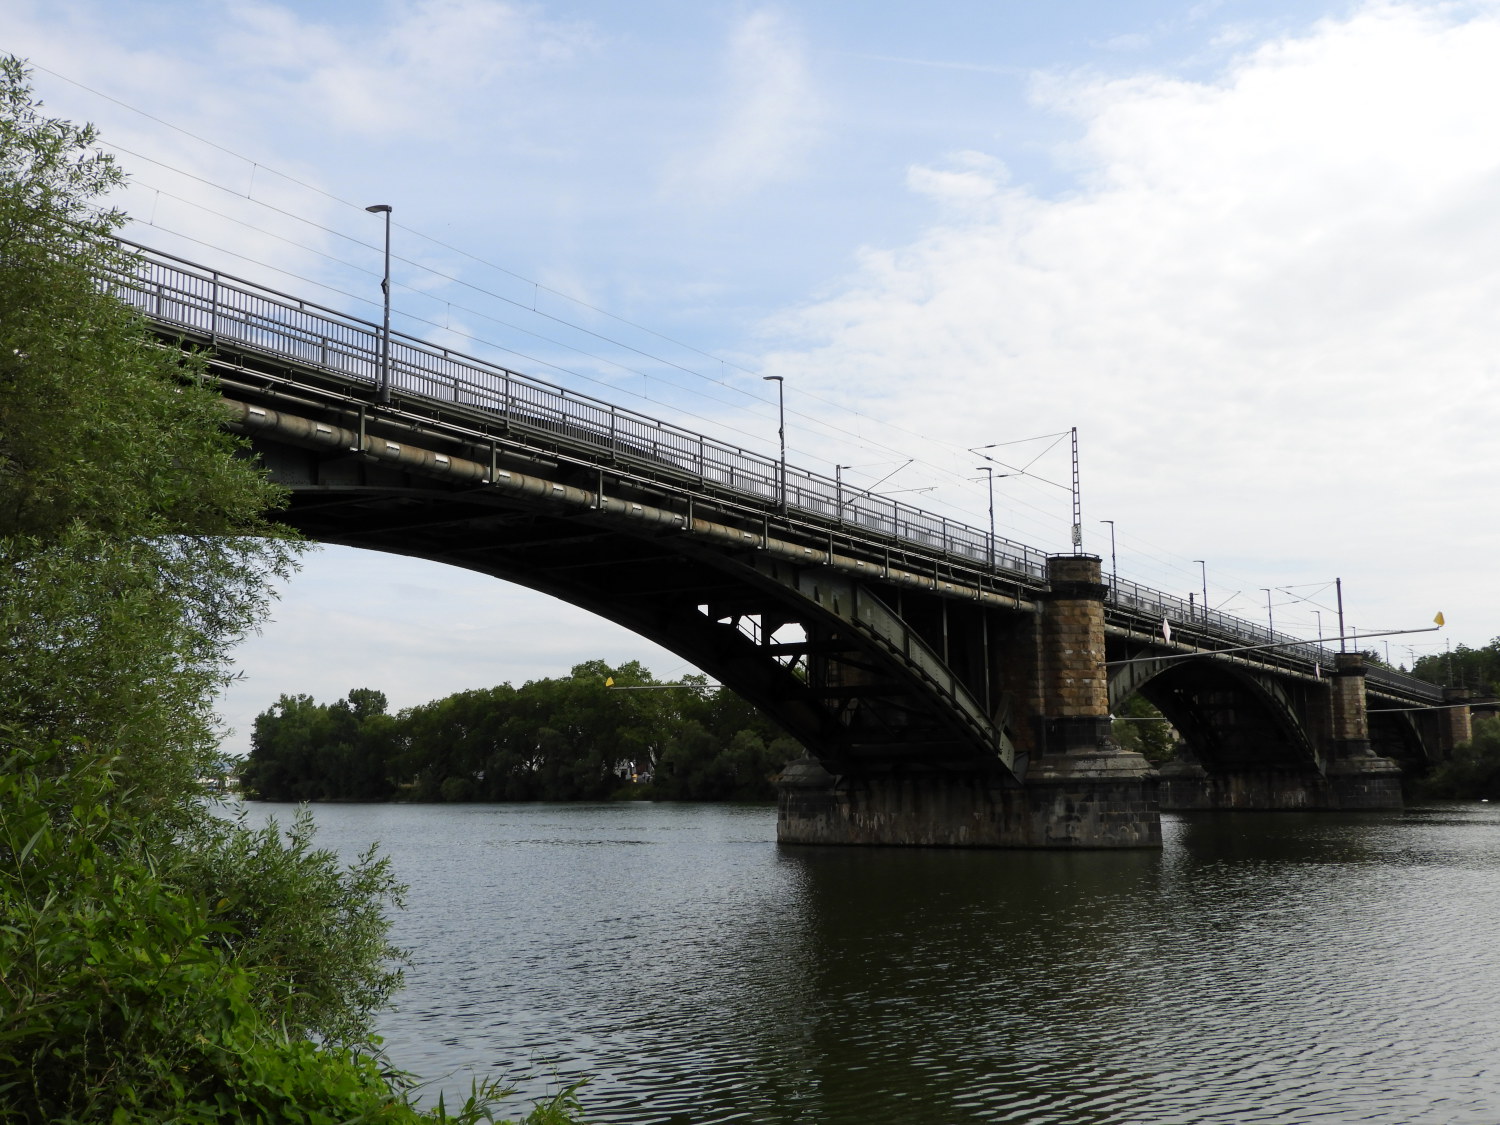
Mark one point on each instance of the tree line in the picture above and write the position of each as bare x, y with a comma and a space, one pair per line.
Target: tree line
598, 733
1475, 668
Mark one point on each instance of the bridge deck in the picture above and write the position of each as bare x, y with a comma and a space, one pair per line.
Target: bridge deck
332, 353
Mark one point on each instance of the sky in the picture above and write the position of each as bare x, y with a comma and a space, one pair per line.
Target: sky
1248, 248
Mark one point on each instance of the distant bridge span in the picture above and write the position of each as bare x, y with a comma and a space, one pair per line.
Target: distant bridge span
951, 688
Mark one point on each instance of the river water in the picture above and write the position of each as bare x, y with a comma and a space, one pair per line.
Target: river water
1275, 967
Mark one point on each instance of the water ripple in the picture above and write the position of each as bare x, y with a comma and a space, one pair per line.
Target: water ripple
1274, 968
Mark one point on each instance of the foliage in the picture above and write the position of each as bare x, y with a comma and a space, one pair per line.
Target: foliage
125, 995
1141, 727
134, 546
1476, 668
1473, 773
315, 930
156, 963
589, 736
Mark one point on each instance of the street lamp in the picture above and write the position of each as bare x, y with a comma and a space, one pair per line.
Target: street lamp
385, 288
779, 380
1114, 569
1203, 570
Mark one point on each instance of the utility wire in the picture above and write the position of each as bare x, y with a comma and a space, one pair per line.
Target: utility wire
255, 166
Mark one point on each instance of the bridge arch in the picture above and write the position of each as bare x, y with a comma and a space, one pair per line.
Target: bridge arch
860, 683
1232, 717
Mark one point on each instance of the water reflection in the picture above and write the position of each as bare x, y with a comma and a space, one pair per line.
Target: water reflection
1260, 968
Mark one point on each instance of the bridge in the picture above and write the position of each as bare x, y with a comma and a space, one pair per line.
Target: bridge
951, 687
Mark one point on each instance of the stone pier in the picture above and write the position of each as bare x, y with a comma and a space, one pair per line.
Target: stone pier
1357, 779
1455, 721
1081, 789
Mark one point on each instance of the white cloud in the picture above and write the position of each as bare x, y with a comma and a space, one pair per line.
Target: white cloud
769, 120
403, 72
1267, 304
971, 180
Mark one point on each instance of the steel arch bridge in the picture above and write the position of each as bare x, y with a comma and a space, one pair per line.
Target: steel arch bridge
905, 650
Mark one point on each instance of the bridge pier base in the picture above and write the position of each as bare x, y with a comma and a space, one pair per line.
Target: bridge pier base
1085, 804
1365, 783
1369, 783
1357, 778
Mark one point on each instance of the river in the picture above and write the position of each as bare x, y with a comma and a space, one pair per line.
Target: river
1277, 967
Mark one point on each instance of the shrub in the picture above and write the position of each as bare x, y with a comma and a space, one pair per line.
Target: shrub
1473, 773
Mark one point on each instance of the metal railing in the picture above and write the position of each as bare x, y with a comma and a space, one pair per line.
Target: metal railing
181, 295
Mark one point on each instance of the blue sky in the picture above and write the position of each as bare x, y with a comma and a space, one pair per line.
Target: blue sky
1249, 249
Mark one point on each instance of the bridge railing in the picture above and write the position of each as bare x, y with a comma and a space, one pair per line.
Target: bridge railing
179, 294
1185, 612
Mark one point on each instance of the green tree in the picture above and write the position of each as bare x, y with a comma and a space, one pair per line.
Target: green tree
156, 963
581, 737
134, 545
1476, 668
1473, 773
1142, 728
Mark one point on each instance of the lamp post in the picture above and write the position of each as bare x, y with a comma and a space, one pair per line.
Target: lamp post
780, 382
385, 289
1114, 569
1203, 570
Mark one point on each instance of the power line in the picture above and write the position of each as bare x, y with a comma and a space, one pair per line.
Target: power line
859, 438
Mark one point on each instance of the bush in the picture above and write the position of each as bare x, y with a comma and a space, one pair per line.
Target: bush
1473, 773
130, 996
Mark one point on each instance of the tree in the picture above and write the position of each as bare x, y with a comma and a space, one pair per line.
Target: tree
134, 545
1476, 668
1473, 773
1144, 729
156, 962
578, 738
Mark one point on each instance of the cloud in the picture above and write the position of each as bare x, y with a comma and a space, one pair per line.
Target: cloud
971, 180
770, 117
400, 73
1266, 300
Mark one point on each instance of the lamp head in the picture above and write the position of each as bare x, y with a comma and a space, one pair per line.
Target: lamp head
378, 207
